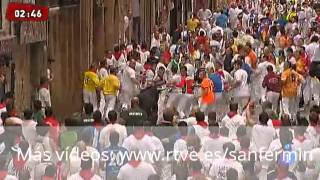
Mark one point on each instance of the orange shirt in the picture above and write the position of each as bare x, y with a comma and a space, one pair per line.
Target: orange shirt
207, 87
291, 81
301, 66
284, 42
253, 59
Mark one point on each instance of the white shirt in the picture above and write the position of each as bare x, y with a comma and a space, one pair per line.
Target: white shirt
105, 133
141, 172
262, 136
44, 96
155, 43
220, 167
232, 124
214, 146
243, 89
145, 145
127, 83
180, 147
157, 144
305, 145
78, 177
201, 131
312, 134
29, 131
75, 160
102, 73
144, 56
313, 50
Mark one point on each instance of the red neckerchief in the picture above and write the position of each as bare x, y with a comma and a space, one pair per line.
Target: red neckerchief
281, 174
202, 124
276, 123
3, 174
300, 138
117, 55
134, 163
47, 178
2, 105
196, 174
231, 114
220, 72
98, 126
86, 174
214, 136
139, 134
19, 162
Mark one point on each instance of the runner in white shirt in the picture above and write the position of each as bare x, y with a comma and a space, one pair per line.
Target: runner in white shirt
201, 128
113, 126
262, 134
219, 168
129, 83
85, 173
136, 170
142, 143
241, 87
44, 93
233, 120
212, 144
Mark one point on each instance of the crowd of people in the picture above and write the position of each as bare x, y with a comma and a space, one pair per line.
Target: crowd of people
211, 100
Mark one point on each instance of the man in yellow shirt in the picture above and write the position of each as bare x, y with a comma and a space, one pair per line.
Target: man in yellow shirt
90, 84
290, 81
110, 86
192, 23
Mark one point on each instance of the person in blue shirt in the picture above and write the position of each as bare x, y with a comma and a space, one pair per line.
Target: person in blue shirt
115, 156
222, 20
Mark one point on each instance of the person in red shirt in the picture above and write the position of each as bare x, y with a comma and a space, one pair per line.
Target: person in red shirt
272, 83
53, 123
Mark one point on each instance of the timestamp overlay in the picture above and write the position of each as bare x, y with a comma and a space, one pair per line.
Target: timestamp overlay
26, 12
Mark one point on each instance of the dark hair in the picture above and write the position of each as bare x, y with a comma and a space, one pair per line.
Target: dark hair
70, 122
37, 105
27, 114
212, 118
195, 166
269, 68
42, 129
313, 118
50, 170
116, 48
168, 115
214, 129
200, 116
245, 142
232, 174
263, 118
43, 80
285, 137
48, 112
314, 39
238, 62
233, 107
88, 108
224, 131
228, 148
86, 163
97, 116
112, 116
86, 136
289, 50
114, 138
235, 33
183, 128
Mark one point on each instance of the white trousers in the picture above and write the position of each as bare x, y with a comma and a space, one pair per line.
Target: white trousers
220, 105
161, 106
90, 97
315, 89
290, 106
242, 102
107, 103
273, 97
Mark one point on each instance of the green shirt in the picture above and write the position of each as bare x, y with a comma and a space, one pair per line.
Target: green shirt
38, 116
